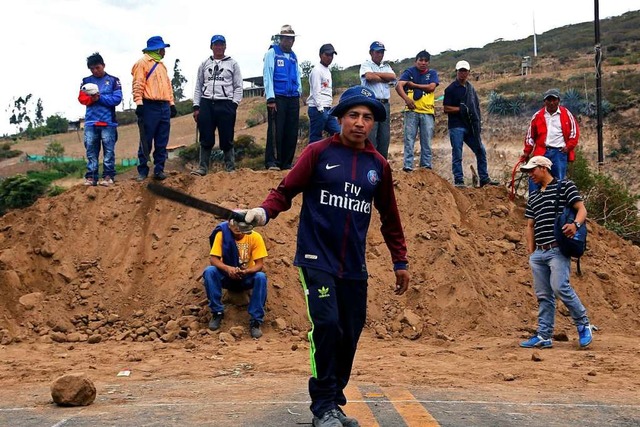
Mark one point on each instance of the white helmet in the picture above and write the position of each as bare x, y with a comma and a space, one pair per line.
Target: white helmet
90, 88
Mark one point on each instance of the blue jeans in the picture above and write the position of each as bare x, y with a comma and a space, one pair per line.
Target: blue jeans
215, 280
412, 123
558, 169
156, 122
321, 121
458, 136
96, 137
380, 135
551, 271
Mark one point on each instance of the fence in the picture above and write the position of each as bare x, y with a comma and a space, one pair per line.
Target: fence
39, 158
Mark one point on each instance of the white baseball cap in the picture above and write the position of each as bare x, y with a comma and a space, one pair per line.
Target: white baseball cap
462, 65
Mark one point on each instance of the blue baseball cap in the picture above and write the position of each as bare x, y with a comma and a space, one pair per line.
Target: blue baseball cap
377, 46
218, 38
155, 43
359, 95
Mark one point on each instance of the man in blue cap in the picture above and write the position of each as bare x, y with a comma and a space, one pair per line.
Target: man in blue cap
378, 77
341, 178
215, 102
155, 106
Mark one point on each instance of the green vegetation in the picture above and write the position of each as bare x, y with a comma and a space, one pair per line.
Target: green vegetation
608, 202
20, 191
6, 152
257, 115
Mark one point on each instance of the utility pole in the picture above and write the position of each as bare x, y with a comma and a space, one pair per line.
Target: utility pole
598, 50
535, 42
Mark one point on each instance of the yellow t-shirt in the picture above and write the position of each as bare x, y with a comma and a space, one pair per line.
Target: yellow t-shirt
424, 105
250, 248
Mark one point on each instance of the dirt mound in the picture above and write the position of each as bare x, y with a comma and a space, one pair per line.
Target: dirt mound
100, 264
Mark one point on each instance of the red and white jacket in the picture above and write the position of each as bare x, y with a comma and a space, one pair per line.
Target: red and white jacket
534, 142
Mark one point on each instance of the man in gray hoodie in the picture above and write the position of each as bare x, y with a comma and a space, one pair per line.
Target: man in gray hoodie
215, 101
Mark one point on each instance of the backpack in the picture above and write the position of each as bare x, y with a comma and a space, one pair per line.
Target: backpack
572, 247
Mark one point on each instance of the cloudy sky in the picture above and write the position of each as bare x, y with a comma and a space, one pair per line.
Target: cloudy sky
45, 42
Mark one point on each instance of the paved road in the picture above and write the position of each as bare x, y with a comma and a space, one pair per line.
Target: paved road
224, 402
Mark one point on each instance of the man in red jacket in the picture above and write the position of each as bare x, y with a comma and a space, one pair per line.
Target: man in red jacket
553, 133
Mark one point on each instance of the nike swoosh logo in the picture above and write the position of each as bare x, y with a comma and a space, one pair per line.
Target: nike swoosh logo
329, 167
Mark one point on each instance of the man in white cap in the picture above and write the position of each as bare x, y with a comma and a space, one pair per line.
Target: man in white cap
282, 88
342, 179
462, 106
553, 133
550, 267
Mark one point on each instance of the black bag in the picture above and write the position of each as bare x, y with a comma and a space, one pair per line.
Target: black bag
575, 246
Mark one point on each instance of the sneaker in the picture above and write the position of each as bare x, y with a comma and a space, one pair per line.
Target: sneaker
141, 178
199, 172
216, 319
584, 335
537, 341
160, 176
107, 181
273, 168
254, 329
460, 185
407, 169
89, 182
328, 419
489, 182
346, 421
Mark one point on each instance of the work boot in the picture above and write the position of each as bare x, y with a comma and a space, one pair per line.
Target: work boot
230, 160
216, 319
328, 419
205, 159
346, 421
254, 329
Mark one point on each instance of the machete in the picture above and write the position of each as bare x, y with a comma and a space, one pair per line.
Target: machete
193, 202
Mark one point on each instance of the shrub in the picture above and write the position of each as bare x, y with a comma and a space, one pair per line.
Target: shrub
608, 202
6, 152
20, 191
257, 115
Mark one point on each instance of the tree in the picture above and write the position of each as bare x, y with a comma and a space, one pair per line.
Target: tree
306, 68
19, 112
39, 120
57, 124
54, 152
177, 82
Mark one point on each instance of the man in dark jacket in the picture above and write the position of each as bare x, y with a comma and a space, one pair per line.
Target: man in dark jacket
462, 106
341, 178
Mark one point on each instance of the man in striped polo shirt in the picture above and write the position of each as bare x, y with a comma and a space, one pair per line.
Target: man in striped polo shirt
550, 267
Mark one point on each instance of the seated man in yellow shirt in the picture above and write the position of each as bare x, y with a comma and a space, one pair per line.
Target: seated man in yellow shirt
237, 260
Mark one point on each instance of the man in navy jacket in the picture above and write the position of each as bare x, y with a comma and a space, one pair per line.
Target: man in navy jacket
341, 178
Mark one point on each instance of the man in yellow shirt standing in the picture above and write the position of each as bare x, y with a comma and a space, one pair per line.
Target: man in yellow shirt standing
153, 95
416, 86
237, 260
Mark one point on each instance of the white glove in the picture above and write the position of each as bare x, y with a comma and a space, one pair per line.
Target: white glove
256, 217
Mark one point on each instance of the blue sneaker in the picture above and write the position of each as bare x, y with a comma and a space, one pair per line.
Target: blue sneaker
584, 335
537, 341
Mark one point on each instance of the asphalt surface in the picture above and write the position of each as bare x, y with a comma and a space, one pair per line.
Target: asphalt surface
283, 402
